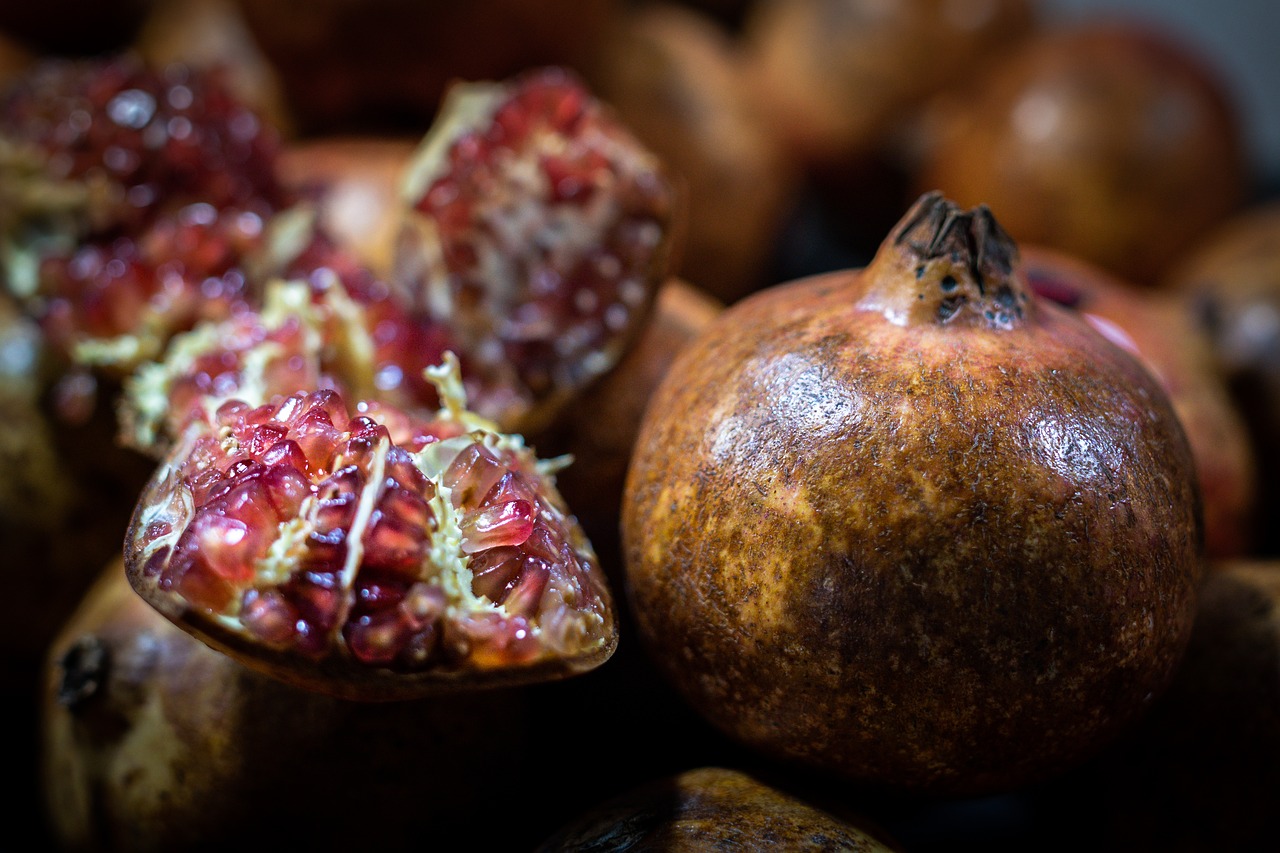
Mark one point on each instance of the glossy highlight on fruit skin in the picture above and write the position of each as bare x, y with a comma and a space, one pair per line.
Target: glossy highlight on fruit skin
368, 553
1158, 328
912, 525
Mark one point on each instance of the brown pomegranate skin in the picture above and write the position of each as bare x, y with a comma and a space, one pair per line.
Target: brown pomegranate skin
911, 524
1110, 141
1158, 328
710, 808
150, 740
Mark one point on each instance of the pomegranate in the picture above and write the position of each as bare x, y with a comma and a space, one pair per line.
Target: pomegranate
1110, 141
911, 523
710, 808
677, 80
538, 234
367, 553
1159, 330
150, 740
1232, 279
132, 195
836, 76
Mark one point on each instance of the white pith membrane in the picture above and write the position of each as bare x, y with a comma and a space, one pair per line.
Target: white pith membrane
566, 624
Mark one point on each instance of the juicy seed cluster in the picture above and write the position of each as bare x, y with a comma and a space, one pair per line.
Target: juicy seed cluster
185, 267
552, 218
313, 530
162, 137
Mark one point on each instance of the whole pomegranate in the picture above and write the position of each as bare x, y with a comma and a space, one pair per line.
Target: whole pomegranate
1110, 141
911, 523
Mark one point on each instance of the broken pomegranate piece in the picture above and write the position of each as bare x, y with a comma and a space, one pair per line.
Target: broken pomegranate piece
539, 232
110, 143
367, 553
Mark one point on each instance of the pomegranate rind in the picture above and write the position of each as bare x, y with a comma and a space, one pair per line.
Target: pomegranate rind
562, 624
538, 228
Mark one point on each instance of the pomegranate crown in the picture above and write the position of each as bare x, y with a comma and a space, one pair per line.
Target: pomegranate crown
942, 264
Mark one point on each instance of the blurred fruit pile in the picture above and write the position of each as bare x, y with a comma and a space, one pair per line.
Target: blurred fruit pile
371, 594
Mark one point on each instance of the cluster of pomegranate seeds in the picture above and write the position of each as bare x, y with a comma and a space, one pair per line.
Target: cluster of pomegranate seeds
543, 230
373, 537
162, 138
185, 267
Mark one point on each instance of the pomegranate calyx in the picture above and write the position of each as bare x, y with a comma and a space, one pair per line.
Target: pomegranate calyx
942, 265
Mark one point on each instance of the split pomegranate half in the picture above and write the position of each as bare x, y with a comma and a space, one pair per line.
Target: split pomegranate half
363, 552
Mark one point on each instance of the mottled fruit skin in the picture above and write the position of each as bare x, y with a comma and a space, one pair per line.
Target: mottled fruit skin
911, 524
152, 741
709, 808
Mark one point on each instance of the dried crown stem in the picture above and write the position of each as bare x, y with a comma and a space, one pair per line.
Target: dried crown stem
942, 264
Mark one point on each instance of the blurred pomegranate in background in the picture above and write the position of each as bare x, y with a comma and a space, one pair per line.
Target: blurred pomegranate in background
676, 79
355, 183
1231, 278
374, 64
1109, 140
1157, 327
836, 75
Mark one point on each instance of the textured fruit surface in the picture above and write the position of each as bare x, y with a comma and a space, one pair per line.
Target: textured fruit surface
710, 809
910, 523
1159, 329
137, 140
343, 548
152, 741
